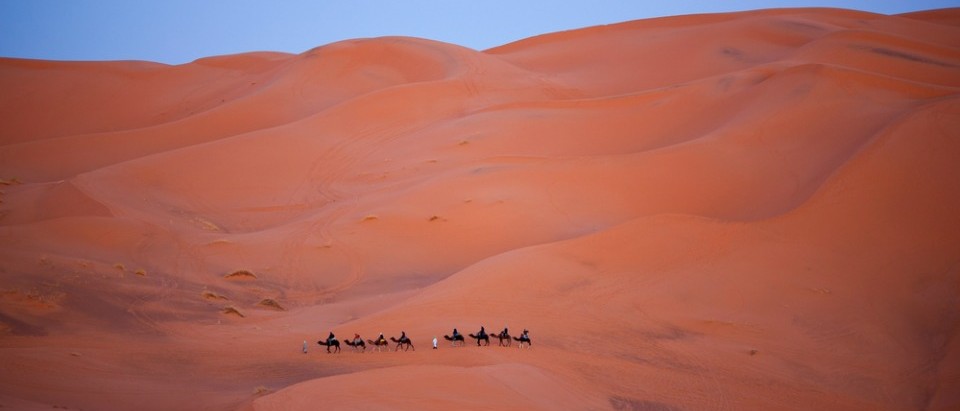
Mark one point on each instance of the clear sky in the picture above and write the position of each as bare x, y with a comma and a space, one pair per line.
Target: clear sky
180, 31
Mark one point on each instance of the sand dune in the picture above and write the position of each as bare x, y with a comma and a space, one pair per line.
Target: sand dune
751, 210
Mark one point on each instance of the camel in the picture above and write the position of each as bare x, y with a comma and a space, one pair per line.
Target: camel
404, 340
453, 340
333, 343
523, 338
357, 344
482, 337
378, 345
503, 336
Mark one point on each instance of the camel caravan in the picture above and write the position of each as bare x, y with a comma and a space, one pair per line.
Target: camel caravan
456, 340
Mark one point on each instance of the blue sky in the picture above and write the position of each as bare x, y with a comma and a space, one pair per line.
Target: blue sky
180, 31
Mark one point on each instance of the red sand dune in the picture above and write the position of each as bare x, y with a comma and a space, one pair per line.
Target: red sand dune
754, 210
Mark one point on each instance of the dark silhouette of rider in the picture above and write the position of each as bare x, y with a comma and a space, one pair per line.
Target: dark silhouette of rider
381, 339
330, 338
504, 333
403, 335
456, 333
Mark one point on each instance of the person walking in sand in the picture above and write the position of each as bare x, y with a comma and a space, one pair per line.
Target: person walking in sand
434, 342
304, 346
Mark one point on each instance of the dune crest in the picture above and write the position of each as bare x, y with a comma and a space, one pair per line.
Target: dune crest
749, 210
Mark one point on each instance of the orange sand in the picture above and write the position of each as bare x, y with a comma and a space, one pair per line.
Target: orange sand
739, 211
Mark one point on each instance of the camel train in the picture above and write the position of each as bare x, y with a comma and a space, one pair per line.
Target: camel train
456, 339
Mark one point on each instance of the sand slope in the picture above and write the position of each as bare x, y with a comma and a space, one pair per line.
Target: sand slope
735, 211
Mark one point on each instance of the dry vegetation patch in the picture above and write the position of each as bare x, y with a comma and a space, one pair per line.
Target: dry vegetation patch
210, 295
241, 275
232, 311
271, 303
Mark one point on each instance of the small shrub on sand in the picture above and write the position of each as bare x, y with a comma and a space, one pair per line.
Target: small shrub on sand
241, 275
210, 295
260, 390
370, 217
141, 272
232, 311
206, 224
120, 266
271, 303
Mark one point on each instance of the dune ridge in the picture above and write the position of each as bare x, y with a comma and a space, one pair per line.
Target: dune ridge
749, 210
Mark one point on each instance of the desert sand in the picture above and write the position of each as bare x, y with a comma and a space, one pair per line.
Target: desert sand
745, 211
